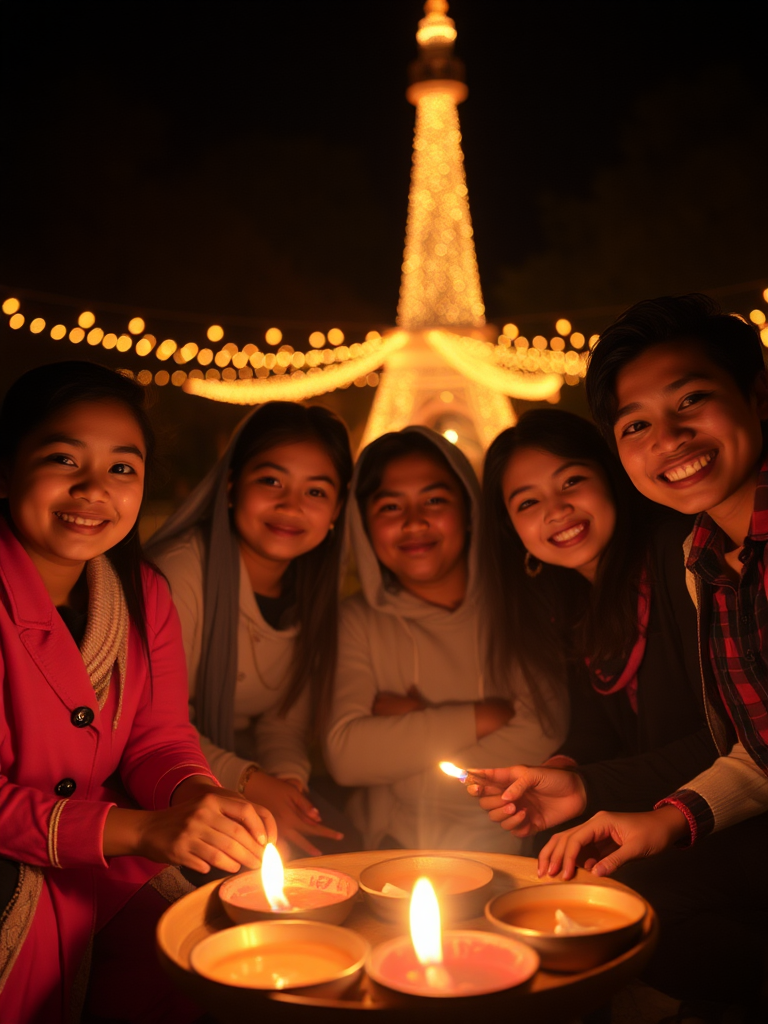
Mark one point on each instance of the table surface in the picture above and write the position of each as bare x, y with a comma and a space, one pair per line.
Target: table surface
549, 996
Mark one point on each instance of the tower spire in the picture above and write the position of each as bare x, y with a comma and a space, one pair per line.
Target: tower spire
440, 285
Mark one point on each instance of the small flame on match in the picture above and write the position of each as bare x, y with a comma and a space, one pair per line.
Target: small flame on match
453, 771
273, 878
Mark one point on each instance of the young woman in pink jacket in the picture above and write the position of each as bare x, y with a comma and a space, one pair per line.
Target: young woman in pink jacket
102, 781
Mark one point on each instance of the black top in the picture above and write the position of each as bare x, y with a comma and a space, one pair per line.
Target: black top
276, 610
74, 621
630, 761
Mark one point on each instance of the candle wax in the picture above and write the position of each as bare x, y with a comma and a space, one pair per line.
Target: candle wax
304, 889
541, 918
298, 897
473, 964
283, 965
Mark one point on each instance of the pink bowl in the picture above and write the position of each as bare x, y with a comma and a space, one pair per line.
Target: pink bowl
314, 893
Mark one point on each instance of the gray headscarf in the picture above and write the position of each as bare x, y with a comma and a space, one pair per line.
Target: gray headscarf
208, 506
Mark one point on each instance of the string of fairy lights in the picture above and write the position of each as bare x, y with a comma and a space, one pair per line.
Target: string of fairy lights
502, 365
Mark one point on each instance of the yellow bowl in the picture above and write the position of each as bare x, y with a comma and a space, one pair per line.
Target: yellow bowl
462, 886
315, 893
528, 914
283, 956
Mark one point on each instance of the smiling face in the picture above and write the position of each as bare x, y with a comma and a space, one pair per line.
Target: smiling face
74, 489
284, 502
687, 436
562, 510
417, 524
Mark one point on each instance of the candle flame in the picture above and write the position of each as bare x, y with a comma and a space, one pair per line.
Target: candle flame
273, 878
425, 923
453, 771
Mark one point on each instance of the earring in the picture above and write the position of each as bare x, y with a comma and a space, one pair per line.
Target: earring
331, 527
531, 564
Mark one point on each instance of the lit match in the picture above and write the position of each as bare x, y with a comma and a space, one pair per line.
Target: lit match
455, 773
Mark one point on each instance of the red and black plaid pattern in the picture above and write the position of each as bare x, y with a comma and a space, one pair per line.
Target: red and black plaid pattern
738, 636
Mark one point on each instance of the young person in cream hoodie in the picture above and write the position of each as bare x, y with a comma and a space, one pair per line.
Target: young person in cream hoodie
410, 688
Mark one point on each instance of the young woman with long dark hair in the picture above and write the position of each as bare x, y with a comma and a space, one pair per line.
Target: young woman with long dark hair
102, 780
252, 557
582, 575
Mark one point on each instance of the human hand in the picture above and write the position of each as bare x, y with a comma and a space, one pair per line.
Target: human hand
610, 839
388, 703
205, 827
294, 813
524, 800
491, 715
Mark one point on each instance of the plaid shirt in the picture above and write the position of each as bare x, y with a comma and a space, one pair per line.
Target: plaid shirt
737, 641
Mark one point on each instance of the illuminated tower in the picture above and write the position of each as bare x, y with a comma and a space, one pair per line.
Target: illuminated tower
443, 366
440, 293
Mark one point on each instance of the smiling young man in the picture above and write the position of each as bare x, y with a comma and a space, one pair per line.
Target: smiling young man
680, 391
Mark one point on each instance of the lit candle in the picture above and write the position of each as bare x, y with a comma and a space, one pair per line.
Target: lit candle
314, 893
431, 964
426, 936
273, 878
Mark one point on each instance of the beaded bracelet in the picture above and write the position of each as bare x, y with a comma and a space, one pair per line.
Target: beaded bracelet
247, 773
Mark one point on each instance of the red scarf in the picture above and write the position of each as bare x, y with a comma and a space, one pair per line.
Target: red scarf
627, 678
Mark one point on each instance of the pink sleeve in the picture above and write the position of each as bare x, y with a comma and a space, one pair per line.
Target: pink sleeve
36, 830
163, 749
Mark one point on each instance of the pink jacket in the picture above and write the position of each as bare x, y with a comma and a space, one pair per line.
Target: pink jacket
44, 745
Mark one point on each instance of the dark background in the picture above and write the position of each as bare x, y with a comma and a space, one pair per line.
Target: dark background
247, 164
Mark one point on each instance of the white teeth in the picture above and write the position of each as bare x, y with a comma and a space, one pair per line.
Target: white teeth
683, 472
573, 531
79, 520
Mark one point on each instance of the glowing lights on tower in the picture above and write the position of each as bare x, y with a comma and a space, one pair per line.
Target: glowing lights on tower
441, 362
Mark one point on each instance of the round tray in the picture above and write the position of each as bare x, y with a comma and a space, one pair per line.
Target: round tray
548, 998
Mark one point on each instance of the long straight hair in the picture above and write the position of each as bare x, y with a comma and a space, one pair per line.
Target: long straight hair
557, 618
315, 574
41, 393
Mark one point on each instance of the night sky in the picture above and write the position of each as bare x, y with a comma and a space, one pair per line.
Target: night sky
252, 159
248, 163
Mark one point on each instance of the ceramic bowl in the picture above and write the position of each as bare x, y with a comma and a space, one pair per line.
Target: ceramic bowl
616, 915
475, 964
462, 886
315, 894
283, 956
